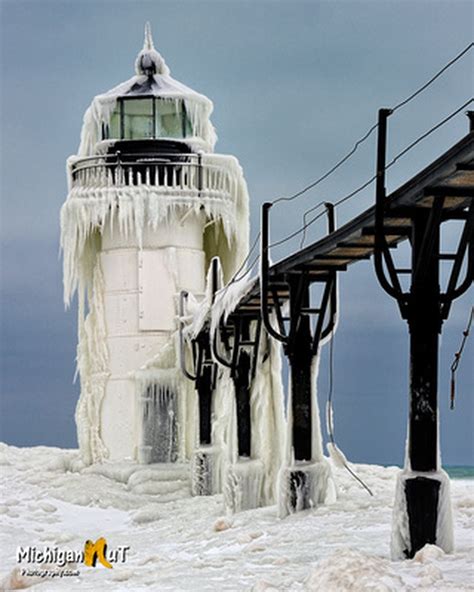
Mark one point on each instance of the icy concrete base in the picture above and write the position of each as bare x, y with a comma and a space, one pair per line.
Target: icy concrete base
243, 485
204, 471
303, 486
421, 513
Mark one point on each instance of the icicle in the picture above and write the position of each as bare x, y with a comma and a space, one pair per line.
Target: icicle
92, 360
148, 43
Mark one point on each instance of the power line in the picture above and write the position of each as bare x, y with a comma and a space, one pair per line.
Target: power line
296, 232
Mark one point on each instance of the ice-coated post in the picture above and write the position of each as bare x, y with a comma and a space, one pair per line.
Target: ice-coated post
422, 498
204, 377
422, 512
422, 492
304, 477
244, 479
205, 459
204, 462
300, 357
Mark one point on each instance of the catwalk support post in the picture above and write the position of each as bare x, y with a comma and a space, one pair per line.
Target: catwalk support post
422, 511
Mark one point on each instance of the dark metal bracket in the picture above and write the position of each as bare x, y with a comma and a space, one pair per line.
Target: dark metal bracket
466, 244
382, 254
428, 249
298, 284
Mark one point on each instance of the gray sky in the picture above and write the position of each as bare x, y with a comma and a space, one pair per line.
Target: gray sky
294, 84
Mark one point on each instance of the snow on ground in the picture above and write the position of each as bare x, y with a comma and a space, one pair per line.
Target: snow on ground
183, 543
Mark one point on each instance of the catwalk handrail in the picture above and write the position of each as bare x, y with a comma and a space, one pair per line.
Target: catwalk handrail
407, 194
454, 160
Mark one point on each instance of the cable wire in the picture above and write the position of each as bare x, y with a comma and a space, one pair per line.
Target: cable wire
331, 170
457, 357
330, 417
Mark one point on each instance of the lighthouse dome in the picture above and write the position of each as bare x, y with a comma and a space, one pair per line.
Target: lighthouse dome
150, 105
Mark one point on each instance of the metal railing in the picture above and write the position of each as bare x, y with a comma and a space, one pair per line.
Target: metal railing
185, 172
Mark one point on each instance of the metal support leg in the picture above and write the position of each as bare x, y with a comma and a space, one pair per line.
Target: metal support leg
424, 323
300, 358
205, 458
422, 492
241, 375
304, 483
244, 479
242, 393
204, 387
422, 506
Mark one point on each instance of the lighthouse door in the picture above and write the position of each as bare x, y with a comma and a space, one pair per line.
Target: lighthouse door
159, 425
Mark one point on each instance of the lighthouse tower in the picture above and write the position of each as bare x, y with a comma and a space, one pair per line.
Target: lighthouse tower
149, 205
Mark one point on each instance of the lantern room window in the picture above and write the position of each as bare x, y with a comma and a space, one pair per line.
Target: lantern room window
147, 118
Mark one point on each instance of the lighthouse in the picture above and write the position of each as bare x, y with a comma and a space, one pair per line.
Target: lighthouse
150, 204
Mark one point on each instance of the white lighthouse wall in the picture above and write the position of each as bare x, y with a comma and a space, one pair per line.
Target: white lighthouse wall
104, 232
140, 297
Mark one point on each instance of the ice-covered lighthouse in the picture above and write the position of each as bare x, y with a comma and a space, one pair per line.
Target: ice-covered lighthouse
149, 205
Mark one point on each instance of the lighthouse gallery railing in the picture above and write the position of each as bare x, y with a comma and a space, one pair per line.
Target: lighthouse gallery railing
187, 172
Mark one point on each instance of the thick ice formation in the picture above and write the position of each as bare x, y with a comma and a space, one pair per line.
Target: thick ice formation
246, 482
93, 368
250, 483
116, 219
206, 191
134, 208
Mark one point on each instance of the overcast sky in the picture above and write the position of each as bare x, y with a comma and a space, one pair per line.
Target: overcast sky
294, 84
